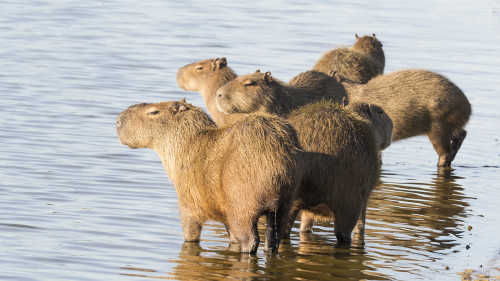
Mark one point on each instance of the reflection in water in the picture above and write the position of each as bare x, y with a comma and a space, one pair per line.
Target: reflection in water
408, 225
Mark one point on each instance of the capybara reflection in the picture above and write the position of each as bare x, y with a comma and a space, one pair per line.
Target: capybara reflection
233, 174
359, 63
419, 102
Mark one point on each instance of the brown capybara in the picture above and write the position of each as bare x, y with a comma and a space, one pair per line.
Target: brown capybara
372, 48
206, 77
233, 174
341, 147
260, 92
420, 102
359, 63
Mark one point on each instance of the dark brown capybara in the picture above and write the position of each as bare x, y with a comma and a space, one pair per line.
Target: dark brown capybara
420, 102
233, 174
358, 63
207, 76
260, 92
330, 136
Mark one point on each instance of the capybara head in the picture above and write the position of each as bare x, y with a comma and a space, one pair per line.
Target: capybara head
382, 123
248, 93
368, 44
146, 125
194, 76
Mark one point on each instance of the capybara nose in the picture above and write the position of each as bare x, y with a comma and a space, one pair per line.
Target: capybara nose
118, 123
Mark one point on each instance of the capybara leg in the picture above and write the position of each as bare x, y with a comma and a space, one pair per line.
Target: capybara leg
293, 216
442, 144
191, 228
345, 220
232, 239
306, 221
247, 237
359, 229
277, 224
271, 232
456, 143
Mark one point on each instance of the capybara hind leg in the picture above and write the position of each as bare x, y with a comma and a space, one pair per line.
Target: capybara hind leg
442, 144
232, 239
456, 143
247, 236
277, 224
306, 221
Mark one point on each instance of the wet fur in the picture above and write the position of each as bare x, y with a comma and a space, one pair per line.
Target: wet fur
420, 102
358, 63
341, 145
232, 174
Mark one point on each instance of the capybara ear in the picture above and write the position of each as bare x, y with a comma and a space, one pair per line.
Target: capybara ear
220, 63
357, 37
267, 77
345, 102
374, 35
257, 71
179, 107
183, 99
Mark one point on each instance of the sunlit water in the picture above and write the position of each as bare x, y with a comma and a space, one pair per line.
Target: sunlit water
77, 205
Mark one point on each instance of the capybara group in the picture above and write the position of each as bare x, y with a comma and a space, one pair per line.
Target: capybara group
232, 174
341, 144
420, 102
359, 63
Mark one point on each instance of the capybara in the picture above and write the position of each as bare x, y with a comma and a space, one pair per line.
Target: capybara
207, 76
260, 92
420, 102
359, 63
341, 145
232, 174
372, 48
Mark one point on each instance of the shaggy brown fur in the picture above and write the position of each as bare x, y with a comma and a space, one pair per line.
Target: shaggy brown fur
359, 63
342, 147
260, 92
206, 77
372, 48
232, 174
420, 102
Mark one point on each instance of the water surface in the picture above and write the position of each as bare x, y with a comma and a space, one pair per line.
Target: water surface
77, 205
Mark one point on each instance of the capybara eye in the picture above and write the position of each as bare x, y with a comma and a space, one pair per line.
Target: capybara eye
199, 67
153, 112
249, 83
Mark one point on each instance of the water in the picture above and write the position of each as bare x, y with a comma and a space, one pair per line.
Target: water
77, 205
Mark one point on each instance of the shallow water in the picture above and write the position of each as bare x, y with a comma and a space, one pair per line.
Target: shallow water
77, 205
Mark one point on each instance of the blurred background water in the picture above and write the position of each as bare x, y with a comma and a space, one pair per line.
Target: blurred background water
77, 205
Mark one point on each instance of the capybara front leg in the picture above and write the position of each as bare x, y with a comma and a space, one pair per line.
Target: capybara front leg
293, 216
191, 228
247, 235
277, 223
